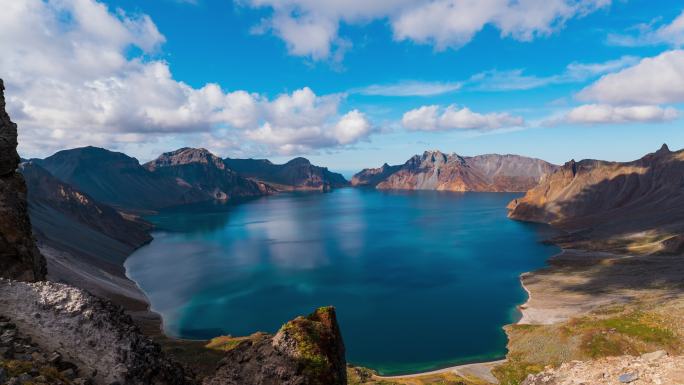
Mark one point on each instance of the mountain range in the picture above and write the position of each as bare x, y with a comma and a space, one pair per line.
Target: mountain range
633, 206
434, 170
297, 174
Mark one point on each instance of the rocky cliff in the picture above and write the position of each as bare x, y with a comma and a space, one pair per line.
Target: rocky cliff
435, 170
19, 256
206, 172
305, 351
297, 174
373, 176
633, 206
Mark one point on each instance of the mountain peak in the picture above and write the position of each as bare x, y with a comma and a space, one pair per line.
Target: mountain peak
664, 149
299, 161
186, 155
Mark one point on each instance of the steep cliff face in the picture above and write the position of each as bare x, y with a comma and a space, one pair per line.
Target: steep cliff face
373, 176
305, 351
118, 180
206, 172
19, 256
435, 170
626, 205
297, 174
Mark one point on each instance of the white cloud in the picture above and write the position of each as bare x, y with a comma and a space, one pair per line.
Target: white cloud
70, 83
574, 73
655, 80
669, 34
302, 121
433, 118
442, 23
409, 88
606, 114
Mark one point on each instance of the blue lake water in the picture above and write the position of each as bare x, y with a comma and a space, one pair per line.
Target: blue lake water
420, 280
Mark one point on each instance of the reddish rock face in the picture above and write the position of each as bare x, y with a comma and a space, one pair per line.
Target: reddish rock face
451, 172
19, 256
610, 199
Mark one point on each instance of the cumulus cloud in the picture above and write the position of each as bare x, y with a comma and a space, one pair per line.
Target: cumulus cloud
303, 121
434, 118
607, 114
441, 23
648, 34
655, 80
70, 81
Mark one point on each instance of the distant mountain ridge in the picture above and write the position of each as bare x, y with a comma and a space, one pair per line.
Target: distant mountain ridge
115, 178
633, 206
373, 176
434, 170
297, 174
204, 171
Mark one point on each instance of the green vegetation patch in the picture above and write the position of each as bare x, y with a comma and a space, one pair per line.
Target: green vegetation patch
633, 333
228, 343
515, 371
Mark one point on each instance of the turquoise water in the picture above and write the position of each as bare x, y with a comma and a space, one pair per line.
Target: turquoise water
421, 280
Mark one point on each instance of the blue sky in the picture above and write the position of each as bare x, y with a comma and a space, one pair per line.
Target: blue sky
348, 84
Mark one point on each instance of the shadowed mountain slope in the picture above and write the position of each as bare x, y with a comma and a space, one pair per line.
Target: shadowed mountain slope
297, 174
206, 172
632, 206
85, 242
119, 180
435, 170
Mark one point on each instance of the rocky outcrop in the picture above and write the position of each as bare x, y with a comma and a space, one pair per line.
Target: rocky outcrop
97, 337
116, 179
649, 369
373, 176
435, 170
632, 206
206, 172
305, 351
19, 256
297, 174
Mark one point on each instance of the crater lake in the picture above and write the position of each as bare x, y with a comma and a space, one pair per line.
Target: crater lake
420, 280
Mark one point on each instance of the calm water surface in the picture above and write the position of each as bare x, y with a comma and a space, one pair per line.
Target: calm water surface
420, 280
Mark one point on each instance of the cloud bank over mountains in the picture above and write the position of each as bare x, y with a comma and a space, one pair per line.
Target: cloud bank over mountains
81, 73
82, 88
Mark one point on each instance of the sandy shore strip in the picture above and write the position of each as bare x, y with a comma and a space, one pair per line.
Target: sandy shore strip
482, 370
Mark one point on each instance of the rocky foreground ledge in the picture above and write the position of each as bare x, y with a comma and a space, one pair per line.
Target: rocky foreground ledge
55, 333
655, 368
93, 334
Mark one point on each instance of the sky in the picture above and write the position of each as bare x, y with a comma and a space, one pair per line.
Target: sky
348, 84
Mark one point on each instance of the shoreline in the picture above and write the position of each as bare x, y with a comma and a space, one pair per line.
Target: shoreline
152, 324
480, 369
